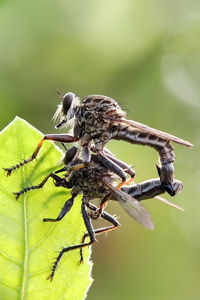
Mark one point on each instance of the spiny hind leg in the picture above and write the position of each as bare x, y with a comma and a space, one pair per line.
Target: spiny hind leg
91, 234
58, 181
106, 216
66, 208
63, 138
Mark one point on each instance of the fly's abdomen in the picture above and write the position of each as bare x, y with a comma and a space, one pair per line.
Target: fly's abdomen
134, 136
151, 188
145, 190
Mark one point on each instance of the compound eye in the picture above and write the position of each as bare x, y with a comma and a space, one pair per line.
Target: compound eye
67, 102
71, 154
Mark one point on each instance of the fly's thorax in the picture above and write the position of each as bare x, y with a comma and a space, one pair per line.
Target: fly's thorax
89, 179
94, 123
101, 140
94, 189
91, 188
98, 117
99, 112
104, 105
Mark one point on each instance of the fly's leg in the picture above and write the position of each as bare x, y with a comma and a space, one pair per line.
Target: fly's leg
58, 181
102, 205
127, 169
66, 208
106, 217
91, 234
110, 165
39, 186
150, 188
115, 165
75, 168
63, 138
98, 212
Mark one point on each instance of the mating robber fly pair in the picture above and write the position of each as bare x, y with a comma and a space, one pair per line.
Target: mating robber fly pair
96, 121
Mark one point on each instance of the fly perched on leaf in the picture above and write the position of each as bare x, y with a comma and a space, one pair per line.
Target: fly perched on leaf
100, 119
97, 180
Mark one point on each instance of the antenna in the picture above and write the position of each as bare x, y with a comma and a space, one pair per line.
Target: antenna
60, 95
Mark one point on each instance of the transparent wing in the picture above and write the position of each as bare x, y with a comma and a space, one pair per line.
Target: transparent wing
156, 132
133, 207
168, 202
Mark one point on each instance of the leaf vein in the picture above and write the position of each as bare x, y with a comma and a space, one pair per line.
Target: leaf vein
38, 291
12, 260
9, 285
8, 217
35, 274
45, 236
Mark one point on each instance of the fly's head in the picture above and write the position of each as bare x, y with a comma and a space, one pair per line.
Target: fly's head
72, 156
66, 110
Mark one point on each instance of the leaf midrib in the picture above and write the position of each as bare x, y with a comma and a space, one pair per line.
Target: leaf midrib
26, 250
25, 266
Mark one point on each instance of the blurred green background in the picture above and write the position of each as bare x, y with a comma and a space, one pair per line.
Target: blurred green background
146, 55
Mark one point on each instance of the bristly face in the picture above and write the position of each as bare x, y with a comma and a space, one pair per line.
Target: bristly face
65, 111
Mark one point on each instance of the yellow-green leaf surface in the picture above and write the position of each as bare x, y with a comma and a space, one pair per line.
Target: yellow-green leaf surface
28, 246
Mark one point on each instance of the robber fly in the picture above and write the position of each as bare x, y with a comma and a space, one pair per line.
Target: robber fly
100, 119
94, 181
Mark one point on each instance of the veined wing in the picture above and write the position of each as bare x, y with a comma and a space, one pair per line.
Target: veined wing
156, 132
133, 207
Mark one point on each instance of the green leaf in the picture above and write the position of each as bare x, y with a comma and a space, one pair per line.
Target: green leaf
28, 246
